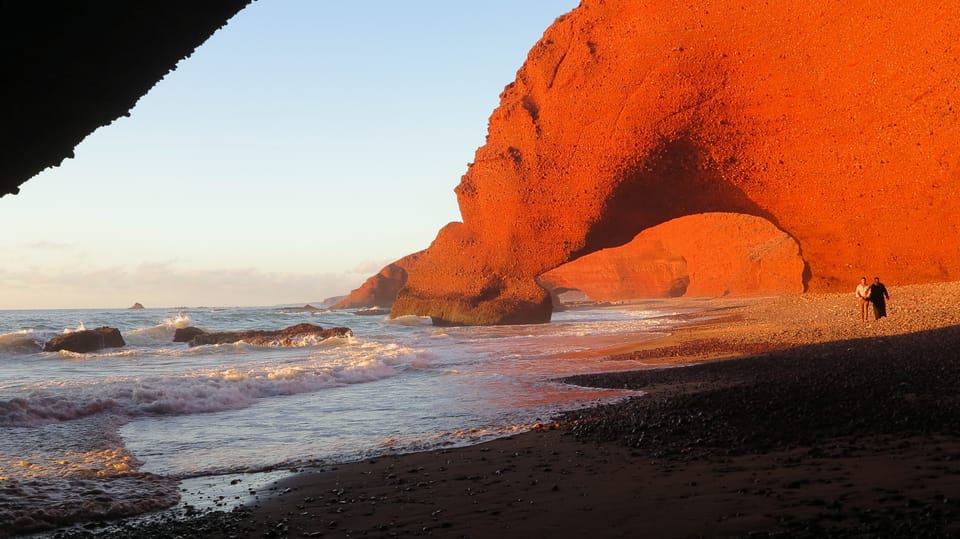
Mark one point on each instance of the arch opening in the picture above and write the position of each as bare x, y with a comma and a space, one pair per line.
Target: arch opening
711, 254
678, 177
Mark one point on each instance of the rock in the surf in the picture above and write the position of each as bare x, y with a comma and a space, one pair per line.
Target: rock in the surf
298, 335
87, 340
305, 309
186, 334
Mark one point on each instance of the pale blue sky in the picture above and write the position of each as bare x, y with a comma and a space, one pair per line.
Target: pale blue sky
304, 146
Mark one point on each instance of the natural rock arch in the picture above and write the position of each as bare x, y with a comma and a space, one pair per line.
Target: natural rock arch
702, 255
837, 122
677, 178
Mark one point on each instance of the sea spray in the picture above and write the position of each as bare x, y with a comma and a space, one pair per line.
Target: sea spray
163, 331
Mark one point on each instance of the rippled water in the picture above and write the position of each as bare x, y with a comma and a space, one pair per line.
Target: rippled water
115, 432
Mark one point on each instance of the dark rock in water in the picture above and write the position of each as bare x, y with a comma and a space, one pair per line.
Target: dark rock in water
186, 334
305, 309
137, 306
291, 336
88, 340
373, 311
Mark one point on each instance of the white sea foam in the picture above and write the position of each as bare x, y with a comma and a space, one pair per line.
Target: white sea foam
304, 341
80, 327
409, 320
104, 353
163, 331
208, 390
400, 384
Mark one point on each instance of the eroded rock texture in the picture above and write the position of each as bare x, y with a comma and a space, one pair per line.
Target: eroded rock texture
711, 254
837, 122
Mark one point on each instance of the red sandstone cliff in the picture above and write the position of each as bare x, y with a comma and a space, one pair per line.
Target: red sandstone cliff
381, 289
711, 254
836, 121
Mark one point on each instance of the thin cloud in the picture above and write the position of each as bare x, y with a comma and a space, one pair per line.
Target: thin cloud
160, 284
47, 246
371, 267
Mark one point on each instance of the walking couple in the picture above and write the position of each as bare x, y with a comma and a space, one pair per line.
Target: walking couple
874, 294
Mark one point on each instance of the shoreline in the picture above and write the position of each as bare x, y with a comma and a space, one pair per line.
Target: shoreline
823, 426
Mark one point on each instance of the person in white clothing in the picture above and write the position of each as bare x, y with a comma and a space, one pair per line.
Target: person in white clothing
863, 298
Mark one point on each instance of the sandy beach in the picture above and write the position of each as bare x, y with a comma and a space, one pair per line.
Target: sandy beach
782, 417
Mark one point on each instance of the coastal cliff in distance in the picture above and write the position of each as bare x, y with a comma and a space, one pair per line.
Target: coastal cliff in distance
835, 122
381, 289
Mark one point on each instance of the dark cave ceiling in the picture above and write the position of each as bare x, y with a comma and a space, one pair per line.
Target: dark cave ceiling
72, 67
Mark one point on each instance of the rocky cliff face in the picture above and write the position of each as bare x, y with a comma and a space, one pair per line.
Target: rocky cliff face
381, 289
836, 122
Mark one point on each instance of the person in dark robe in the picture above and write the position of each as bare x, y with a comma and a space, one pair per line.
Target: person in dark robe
879, 296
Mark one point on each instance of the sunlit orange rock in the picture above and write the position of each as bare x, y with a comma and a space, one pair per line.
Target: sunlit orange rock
712, 254
836, 121
381, 289
640, 269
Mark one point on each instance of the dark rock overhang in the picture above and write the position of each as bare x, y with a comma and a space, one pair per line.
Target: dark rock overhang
72, 67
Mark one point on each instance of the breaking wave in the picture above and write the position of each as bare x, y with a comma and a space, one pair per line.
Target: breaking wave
163, 331
21, 342
208, 390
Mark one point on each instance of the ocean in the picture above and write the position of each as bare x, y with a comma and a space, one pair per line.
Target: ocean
148, 426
